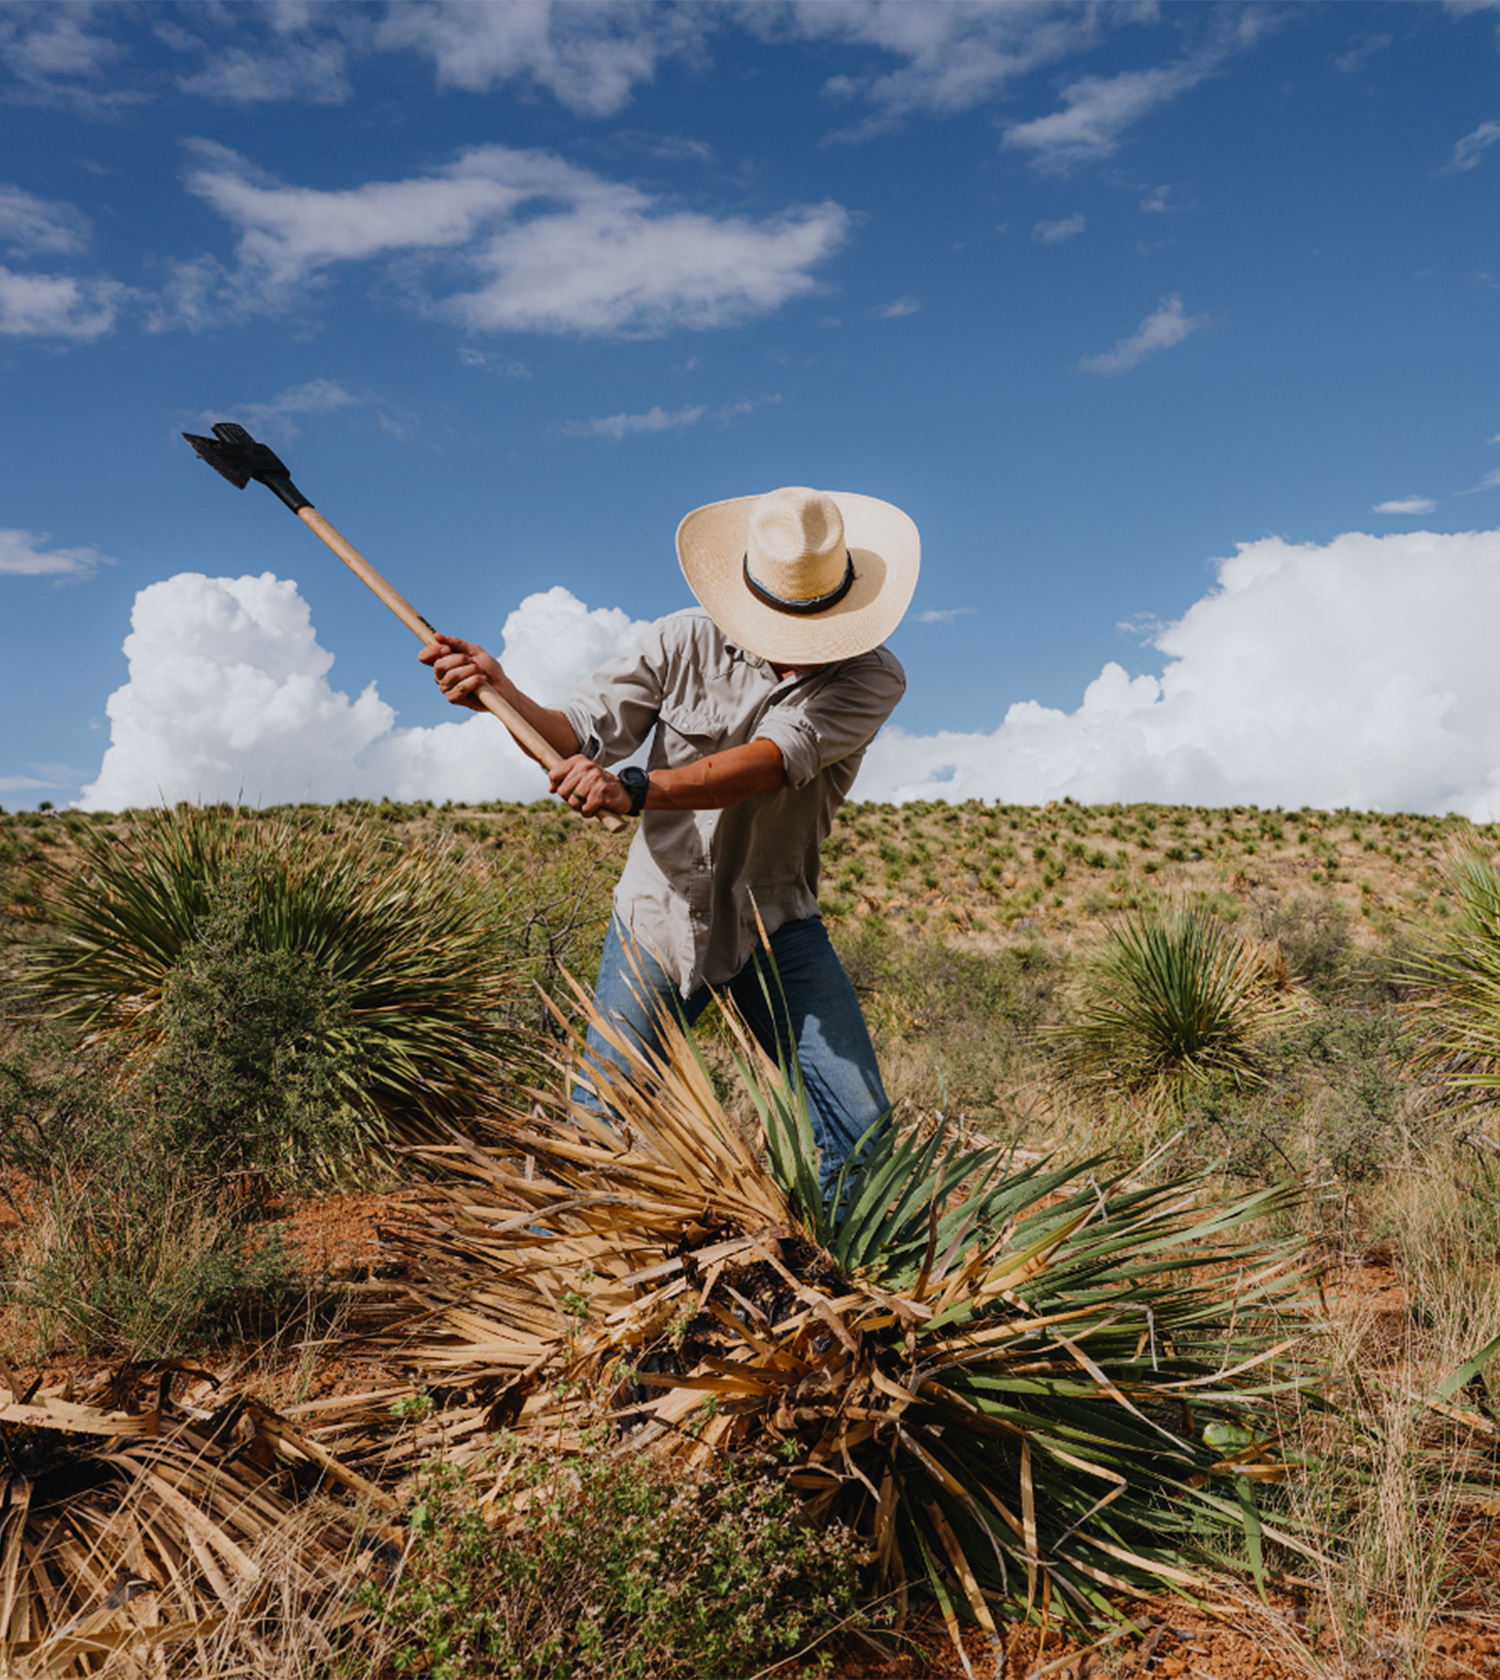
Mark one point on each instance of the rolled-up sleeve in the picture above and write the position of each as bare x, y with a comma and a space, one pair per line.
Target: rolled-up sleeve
834, 716
613, 711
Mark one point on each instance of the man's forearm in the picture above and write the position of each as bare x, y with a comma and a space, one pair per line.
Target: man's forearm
550, 724
719, 780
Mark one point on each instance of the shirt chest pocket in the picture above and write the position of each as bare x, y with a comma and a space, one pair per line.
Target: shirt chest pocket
691, 731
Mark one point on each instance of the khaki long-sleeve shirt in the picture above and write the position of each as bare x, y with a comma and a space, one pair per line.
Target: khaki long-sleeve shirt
694, 880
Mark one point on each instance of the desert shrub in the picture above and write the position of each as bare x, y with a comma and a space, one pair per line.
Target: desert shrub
1313, 934
596, 1569
1332, 1101
1171, 997
409, 946
125, 1247
254, 1070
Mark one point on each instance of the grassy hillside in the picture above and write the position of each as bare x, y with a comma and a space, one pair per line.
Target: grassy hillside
972, 933
970, 868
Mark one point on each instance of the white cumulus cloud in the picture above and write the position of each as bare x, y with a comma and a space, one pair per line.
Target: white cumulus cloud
1407, 504
503, 240
228, 696
1358, 673
1166, 326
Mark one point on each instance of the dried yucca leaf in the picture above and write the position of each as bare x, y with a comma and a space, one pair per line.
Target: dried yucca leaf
124, 1532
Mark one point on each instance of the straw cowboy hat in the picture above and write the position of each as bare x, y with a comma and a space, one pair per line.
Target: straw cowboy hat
801, 577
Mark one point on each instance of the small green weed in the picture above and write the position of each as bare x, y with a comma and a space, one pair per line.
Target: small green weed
590, 1569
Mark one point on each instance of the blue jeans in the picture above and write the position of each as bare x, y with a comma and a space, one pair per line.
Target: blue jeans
812, 1012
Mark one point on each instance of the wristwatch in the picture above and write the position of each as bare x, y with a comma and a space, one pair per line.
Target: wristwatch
637, 784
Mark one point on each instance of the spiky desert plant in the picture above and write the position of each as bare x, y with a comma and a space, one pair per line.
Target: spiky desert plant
1171, 996
1006, 1383
1454, 1006
377, 971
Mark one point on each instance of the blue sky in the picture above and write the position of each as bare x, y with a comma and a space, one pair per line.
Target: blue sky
1096, 293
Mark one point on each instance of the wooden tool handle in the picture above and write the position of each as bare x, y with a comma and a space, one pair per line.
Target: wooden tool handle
535, 743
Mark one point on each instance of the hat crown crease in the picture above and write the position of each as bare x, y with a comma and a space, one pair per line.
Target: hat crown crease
795, 544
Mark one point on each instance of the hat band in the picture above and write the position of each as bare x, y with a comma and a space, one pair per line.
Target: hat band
816, 603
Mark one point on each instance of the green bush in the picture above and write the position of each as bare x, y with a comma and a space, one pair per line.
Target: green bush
596, 1569
250, 1076
1454, 1005
1313, 934
953, 1025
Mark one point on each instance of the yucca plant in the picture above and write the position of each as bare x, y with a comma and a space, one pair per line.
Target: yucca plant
376, 973
1170, 997
1016, 1387
1455, 1003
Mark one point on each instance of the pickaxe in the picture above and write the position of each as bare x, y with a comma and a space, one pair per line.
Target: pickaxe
232, 452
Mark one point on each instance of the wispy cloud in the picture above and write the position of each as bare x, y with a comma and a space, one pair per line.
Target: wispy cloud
57, 305
1488, 482
1361, 49
1407, 504
1468, 151
589, 58
276, 417
505, 241
30, 226
1155, 202
502, 365
1053, 233
616, 427
1096, 112
902, 306
313, 72
55, 57
1165, 327
941, 615
25, 554
26, 784
947, 58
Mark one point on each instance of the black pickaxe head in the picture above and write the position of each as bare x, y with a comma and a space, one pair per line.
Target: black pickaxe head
235, 455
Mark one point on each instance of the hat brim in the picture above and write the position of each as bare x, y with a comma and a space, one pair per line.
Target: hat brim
883, 545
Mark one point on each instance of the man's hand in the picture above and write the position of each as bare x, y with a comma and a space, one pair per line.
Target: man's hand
460, 668
589, 789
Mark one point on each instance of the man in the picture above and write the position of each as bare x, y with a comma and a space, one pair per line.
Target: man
762, 702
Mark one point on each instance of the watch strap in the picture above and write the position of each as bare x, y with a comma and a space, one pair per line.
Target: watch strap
638, 785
